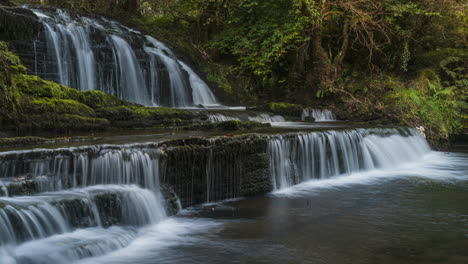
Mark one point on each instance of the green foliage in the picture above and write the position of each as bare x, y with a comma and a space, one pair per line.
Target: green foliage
294, 51
427, 102
59, 106
261, 33
9, 67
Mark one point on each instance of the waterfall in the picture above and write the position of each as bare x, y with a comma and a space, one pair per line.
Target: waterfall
88, 201
244, 116
318, 114
98, 54
202, 95
3, 189
130, 72
319, 155
55, 170
36, 217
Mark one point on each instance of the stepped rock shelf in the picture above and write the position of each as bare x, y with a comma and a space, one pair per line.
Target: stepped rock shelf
197, 170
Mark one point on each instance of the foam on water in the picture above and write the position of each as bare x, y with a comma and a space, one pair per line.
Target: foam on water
434, 166
321, 155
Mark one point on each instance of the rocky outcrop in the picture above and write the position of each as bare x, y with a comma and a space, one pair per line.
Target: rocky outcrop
203, 170
17, 23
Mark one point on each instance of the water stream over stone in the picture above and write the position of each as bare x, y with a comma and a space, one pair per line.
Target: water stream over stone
318, 114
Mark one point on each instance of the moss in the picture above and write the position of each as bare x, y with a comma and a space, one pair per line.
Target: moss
139, 116
309, 119
60, 106
98, 99
61, 123
9, 67
21, 141
35, 86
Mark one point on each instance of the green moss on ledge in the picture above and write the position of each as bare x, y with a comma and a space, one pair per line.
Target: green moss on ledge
130, 116
60, 106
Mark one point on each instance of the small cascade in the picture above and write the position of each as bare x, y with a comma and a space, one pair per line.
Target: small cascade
98, 54
319, 155
88, 201
130, 73
244, 116
318, 114
36, 217
3, 189
201, 93
55, 170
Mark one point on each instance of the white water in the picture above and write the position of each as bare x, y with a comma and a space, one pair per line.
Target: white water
35, 217
202, 95
245, 116
112, 245
321, 155
178, 87
131, 75
434, 166
98, 54
74, 168
318, 114
3, 189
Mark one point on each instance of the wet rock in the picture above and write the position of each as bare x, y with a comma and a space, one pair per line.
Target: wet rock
202, 170
17, 23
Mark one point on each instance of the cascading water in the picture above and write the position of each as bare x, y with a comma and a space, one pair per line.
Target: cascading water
319, 155
244, 116
56, 170
97, 54
318, 114
89, 201
40, 216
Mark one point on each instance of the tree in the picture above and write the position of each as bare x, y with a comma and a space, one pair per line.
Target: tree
341, 25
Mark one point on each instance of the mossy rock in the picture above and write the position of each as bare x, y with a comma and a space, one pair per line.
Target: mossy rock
152, 113
35, 86
61, 123
98, 99
309, 119
60, 106
29, 103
